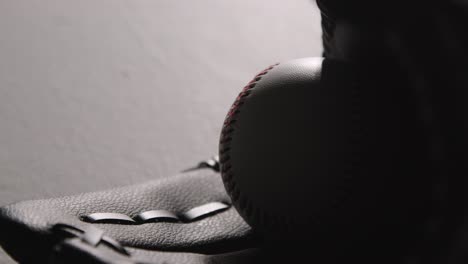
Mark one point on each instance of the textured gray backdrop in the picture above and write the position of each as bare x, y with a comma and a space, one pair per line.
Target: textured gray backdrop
96, 94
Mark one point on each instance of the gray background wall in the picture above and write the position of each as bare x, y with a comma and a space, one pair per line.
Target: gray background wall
96, 94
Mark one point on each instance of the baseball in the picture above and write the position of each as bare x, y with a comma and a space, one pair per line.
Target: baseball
307, 147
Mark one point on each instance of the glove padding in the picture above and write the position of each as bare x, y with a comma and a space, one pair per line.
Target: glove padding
197, 220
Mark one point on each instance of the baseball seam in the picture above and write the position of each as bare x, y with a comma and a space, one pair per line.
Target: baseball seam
242, 204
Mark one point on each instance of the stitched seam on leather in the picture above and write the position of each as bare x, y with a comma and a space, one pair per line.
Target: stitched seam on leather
190, 215
92, 236
244, 205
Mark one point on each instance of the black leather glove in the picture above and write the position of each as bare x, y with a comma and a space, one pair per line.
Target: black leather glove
182, 219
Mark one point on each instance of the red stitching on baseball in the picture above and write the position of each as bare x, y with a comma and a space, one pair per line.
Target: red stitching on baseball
226, 138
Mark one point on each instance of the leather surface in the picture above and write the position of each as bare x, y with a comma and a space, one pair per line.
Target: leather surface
104, 255
27, 224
